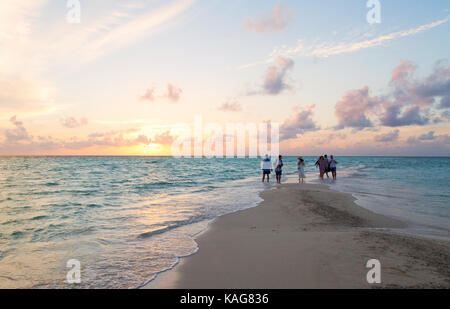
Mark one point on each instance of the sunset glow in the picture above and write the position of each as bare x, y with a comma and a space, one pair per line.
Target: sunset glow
121, 80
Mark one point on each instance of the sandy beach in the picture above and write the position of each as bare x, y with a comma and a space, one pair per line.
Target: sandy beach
308, 236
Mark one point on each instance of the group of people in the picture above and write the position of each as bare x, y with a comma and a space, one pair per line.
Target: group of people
324, 165
266, 166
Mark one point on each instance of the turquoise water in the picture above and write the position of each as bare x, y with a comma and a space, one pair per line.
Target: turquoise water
127, 218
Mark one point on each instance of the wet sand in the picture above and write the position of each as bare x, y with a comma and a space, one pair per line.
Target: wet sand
308, 236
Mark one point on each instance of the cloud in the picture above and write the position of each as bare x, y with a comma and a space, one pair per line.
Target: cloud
387, 137
30, 46
71, 122
428, 136
363, 143
445, 102
19, 141
149, 95
299, 123
329, 138
103, 140
274, 79
163, 138
121, 28
118, 139
444, 116
412, 98
173, 93
143, 139
18, 134
429, 139
403, 72
277, 21
327, 49
233, 106
443, 139
394, 117
353, 109
436, 85
409, 101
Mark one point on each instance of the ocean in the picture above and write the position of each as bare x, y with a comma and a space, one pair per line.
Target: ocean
125, 219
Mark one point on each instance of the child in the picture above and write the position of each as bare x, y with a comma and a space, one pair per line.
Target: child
301, 170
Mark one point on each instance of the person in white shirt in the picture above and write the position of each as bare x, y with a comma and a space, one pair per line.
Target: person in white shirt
266, 166
333, 164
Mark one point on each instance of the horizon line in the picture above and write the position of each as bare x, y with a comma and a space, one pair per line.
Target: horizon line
213, 157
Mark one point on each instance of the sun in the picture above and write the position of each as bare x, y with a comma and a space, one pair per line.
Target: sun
153, 149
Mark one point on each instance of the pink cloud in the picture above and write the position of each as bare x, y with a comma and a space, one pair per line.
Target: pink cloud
149, 95
354, 108
18, 134
233, 106
163, 139
408, 102
19, 141
277, 21
425, 138
274, 80
387, 137
71, 122
299, 123
403, 72
173, 93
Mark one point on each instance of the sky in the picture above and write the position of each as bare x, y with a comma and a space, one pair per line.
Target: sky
128, 76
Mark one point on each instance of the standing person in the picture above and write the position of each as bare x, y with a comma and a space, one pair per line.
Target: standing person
321, 164
278, 168
327, 165
317, 162
301, 170
333, 164
266, 167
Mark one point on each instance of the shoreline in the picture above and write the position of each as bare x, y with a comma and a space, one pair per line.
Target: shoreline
307, 236
410, 227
